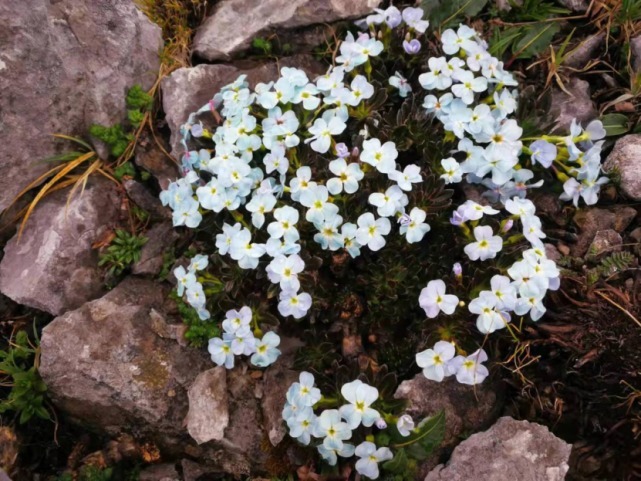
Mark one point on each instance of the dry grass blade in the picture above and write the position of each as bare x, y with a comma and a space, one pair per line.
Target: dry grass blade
64, 170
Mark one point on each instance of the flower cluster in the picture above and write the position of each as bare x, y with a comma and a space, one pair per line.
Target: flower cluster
439, 362
335, 426
188, 285
473, 101
238, 339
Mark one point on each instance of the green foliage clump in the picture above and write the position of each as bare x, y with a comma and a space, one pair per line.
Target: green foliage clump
117, 137
198, 332
18, 370
125, 249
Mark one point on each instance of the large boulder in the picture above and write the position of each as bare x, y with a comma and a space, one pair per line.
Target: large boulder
233, 25
108, 365
63, 66
467, 409
105, 366
52, 266
507, 451
625, 161
187, 89
594, 219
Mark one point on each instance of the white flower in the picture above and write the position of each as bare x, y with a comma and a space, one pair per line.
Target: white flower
434, 361
370, 231
316, 200
361, 90
401, 83
389, 203
383, 157
413, 18
453, 172
347, 177
469, 370
370, 457
285, 224
433, 299
284, 270
294, 304
330, 427
322, 133
300, 425
414, 228
405, 425
411, 175
237, 319
486, 246
303, 393
360, 396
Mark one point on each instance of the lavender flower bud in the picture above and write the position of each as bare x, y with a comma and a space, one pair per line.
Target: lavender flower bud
380, 423
197, 130
508, 225
412, 47
341, 150
457, 269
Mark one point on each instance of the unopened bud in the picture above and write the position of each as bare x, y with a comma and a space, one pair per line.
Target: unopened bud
380, 423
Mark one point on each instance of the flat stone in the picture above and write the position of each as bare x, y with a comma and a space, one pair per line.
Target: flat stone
65, 65
147, 201
605, 242
575, 5
188, 89
578, 105
594, 219
208, 415
510, 450
467, 409
160, 472
160, 240
53, 266
579, 55
221, 37
276, 381
104, 366
625, 162
151, 157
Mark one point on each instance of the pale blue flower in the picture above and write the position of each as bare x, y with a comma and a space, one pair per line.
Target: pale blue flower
266, 351
360, 396
332, 429
221, 352
543, 152
434, 361
301, 423
370, 456
303, 393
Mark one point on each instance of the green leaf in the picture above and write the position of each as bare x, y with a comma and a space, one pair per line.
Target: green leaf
398, 464
426, 437
615, 124
442, 13
536, 39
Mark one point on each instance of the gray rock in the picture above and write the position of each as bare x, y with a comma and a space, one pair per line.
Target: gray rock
594, 219
151, 157
276, 381
104, 365
147, 201
233, 25
63, 66
188, 89
467, 409
625, 160
635, 47
605, 242
160, 472
53, 267
208, 415
579, 56
507, 451
575, 5
160, 240
551, 252
578, 105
